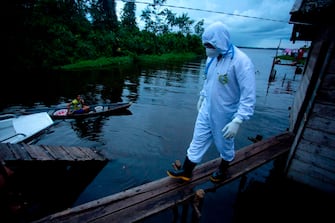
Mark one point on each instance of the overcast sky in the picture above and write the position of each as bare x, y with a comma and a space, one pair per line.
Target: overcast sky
252, 23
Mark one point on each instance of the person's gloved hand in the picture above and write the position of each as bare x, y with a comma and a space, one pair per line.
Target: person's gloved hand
201, 99
230, 130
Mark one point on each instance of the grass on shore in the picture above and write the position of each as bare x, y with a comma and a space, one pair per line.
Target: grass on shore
124, 60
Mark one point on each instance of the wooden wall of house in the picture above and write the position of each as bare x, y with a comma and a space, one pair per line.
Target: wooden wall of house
312, 156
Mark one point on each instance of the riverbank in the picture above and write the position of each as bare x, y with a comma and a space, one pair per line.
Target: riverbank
130, 59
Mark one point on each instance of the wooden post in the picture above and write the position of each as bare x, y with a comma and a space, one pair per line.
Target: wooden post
197, 205
175, 213
242, 183
185, 211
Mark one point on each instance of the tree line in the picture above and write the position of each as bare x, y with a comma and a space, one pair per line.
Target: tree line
45, 33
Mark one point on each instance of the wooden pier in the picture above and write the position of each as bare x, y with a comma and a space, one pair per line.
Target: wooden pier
44, 179
148, 199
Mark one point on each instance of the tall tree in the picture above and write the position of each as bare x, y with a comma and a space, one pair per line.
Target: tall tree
184, 23
153, 17
128, 17
103, 14
170, 18
109, 7
146, 17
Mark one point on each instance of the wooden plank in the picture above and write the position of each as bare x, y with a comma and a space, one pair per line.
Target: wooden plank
139, 202
315, 159
323, 110
92, 154
322, 124
23, 151
76, 153
59, 152
323, 151
310, 170
299, 99
253, 162
146, 209
326, 96
36, 152
6, 152
49, 151
328, 81
170, 198
19, 152
331, 65
319, 138
82, 153
299, 176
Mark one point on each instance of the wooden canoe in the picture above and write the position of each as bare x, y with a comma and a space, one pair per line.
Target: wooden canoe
96, 110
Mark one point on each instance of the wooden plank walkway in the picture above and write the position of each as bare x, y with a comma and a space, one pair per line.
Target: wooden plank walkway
24, 152
145, 200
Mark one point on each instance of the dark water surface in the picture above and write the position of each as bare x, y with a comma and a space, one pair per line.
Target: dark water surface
142, 145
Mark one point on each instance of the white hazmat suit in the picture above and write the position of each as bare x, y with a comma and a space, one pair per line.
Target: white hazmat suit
227, 98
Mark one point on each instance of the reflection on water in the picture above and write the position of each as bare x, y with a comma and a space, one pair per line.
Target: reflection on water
142, 145
89, 128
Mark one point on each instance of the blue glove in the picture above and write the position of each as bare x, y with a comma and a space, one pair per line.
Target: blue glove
230, 130
201, 99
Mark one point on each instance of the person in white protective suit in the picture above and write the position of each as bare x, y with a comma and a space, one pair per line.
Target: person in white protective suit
227, 99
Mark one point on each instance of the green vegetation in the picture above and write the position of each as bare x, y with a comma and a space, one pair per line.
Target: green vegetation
98, 63
113, 61
45, 34
292, 58
286, 57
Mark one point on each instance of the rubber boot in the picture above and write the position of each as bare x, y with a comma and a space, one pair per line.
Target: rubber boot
185, 173
221, 173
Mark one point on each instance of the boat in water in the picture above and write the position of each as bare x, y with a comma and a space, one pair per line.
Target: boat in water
118, 108
23, 128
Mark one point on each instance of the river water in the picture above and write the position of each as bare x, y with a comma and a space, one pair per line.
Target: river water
142, 145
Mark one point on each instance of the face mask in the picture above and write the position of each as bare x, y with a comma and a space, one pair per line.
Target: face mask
212, 52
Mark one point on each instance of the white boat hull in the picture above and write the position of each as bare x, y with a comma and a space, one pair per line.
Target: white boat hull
24, 127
